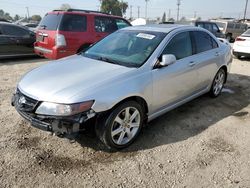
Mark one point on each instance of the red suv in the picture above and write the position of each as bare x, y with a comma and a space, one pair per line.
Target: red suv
64, 33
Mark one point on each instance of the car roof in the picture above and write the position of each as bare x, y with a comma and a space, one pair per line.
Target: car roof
164, 28
84, 12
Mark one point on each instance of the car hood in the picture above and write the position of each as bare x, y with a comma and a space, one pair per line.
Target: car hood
61, 80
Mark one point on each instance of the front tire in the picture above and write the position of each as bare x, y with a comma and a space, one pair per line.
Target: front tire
218, 83
121, 126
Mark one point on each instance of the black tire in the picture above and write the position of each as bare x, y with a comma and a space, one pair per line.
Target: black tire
106, 122
218, 83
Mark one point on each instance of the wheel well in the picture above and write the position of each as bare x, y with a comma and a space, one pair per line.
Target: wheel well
83, 47
138, 99
224, 67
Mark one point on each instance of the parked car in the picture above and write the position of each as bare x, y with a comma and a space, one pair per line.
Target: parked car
15, 41
145, 72
241, 45
31, 26
210, 26
231, 29
64, 33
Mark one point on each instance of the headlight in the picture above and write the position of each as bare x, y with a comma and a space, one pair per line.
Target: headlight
54, 109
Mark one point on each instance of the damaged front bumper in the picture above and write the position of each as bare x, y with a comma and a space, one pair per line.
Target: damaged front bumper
56, 124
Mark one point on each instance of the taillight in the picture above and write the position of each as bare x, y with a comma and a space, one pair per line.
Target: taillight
240, 39
60, 40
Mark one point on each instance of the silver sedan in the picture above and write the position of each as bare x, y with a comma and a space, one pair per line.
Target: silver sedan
127, 79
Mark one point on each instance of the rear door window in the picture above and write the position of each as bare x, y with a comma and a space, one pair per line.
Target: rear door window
13, 30
105, 24
73, 22
50, 22
180, 46
203, 41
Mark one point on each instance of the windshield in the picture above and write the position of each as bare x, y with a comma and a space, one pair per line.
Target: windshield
221, 25
126, 48
247, 32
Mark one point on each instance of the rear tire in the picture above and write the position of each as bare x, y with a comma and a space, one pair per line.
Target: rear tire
119, 128
218, 83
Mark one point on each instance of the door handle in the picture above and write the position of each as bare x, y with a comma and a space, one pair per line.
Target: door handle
217, 53
192, 64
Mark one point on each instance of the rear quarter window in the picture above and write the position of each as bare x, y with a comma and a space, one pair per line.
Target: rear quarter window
73, 22
105, 24
50, 22
121, 23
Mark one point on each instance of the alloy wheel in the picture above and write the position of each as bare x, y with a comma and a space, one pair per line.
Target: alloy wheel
125, 125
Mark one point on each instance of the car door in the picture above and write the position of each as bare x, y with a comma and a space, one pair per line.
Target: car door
207, 55
104, 26
19, 38
179, 80
6, 45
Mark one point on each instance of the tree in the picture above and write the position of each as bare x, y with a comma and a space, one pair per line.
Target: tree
114, 7
183, 19
17, 17
171, 20
1, 13
7, 16
163, 17
65, 7
36, 18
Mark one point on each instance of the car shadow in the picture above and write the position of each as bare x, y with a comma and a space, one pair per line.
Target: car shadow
188, 120
22, 60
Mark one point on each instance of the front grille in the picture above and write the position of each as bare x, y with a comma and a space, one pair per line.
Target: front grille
25, 103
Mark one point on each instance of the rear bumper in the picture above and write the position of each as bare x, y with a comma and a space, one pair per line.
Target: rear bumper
54, 53
235, 53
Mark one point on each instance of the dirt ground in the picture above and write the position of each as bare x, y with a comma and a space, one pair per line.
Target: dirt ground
204, 143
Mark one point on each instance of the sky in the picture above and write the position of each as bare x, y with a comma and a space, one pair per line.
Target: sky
188, 8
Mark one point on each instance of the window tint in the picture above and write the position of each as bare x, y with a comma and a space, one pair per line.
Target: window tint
203, 41
230, 25
208, 26
180, 46
200, 24
14, 31
105, 24
73, 22
215, 28
50, 21
237, 26
121, 23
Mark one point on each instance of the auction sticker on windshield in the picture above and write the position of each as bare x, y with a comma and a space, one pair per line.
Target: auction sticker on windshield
146, 36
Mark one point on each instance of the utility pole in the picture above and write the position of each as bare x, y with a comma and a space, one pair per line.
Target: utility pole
146, 9
195, 14
169, 14
28, 12
178, 9
131, 11
245, 12
138, 11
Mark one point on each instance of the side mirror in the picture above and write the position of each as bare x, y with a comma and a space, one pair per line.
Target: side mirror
167, 59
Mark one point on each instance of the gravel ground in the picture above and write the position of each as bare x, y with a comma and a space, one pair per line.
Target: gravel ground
204, 143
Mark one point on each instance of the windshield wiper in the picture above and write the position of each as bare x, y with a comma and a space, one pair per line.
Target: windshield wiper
106, 59
42, 26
